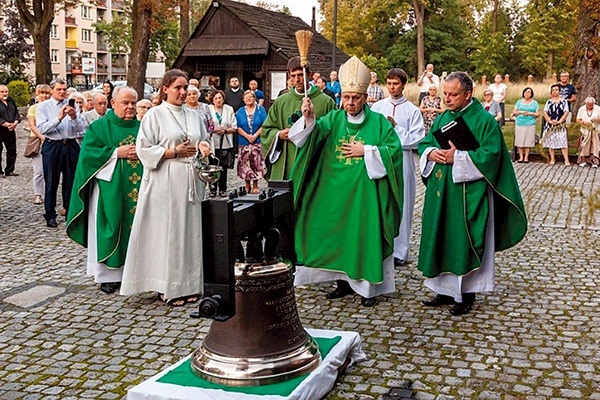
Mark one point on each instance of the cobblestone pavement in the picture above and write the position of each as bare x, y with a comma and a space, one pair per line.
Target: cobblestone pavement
536, 337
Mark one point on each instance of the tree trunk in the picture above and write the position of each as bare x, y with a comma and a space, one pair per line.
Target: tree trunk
550, 64
587, 52
37, 16
140, 48
184, 23
495, 16
420, 16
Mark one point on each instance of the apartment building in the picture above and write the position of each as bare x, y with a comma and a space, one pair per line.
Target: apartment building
77, 53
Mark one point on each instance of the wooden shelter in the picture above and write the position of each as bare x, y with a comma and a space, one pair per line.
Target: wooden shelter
248, 42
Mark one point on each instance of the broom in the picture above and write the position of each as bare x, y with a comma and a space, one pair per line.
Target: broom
303, 39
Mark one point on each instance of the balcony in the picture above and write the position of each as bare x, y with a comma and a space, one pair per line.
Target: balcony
102, 69
70, 20
118, 69
117, 5
101, 3
71, 44
102, 46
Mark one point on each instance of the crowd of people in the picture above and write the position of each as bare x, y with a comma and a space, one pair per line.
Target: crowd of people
131, 195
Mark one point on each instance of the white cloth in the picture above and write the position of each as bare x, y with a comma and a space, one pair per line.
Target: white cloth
39, 187
165, 246
90, 116
100, 271
481, 279
227, 121
411, 131
375, 170
315, 386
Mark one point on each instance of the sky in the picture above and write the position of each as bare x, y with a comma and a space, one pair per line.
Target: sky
299, 8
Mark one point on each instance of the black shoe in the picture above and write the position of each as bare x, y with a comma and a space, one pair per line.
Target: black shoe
343, 289
439, 300
464, 307
399, 263
368, 302
51, 222
108, 287
11, 174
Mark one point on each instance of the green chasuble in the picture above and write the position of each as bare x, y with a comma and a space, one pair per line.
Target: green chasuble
455, 215
117, 198
346, 221
282, 114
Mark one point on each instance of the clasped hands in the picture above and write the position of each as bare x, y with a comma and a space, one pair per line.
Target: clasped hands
185, 149
127, 151
443, 156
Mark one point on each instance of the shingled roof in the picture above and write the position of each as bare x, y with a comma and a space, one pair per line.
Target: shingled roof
279, 30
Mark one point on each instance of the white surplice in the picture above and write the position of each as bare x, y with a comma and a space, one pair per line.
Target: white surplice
165, 247
410, 130
375, 170
481, 279
100, 271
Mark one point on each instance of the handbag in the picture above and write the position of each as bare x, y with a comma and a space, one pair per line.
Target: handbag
32, 148
226, 156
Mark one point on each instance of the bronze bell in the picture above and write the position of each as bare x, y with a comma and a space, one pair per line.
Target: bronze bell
264, 342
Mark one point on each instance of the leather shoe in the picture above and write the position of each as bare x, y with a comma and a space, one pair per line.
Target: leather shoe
368, 302
399, 263
11, 174
343, 289
108, 287
51, 223
465, 306
439, 300
461, 308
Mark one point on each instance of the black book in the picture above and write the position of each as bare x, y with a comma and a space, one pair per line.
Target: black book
458, 133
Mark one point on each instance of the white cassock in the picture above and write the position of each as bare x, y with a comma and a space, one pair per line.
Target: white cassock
410, 130
375, 170
481, 279
165, 246
100, 272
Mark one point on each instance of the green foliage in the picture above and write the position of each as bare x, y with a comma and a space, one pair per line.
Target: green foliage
492, 48
165, 40
378, 65
19, 92
117, 34
548, 38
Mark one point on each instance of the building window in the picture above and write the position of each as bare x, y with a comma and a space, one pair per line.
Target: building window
54, 32
86, 12
86, 35
54, 56
86, 54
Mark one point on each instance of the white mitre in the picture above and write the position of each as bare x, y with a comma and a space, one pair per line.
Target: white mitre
354, 76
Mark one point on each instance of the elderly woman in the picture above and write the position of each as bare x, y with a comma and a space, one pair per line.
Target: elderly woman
556, 112
589, 143
431, 107
79, 101
192, 103
492, 105
165, 247
42, 93
141, 107
225, 125
251, 166
155, 99
88, 104
525, 113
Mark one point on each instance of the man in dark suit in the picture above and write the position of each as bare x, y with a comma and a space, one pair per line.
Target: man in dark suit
320, 82
234, 95
9, 119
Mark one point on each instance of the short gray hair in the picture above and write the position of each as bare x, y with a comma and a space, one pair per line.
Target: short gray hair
590, 99
465, 81
118, 89
192, 88
55, 81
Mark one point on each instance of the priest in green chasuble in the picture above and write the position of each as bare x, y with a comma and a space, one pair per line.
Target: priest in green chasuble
347, 193
279, 151
473, 205
105, 190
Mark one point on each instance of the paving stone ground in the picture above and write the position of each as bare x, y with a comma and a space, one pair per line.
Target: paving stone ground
536, 337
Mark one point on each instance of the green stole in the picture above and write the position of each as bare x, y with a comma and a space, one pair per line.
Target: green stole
455, 214
346, 221
117, 198
280, 117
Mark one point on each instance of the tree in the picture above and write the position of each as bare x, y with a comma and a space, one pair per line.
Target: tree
587, 51
548, 37
37, 16
15, 52
140, 49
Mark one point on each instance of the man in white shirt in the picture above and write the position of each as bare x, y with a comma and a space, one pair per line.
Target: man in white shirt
100, 106
427, 79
